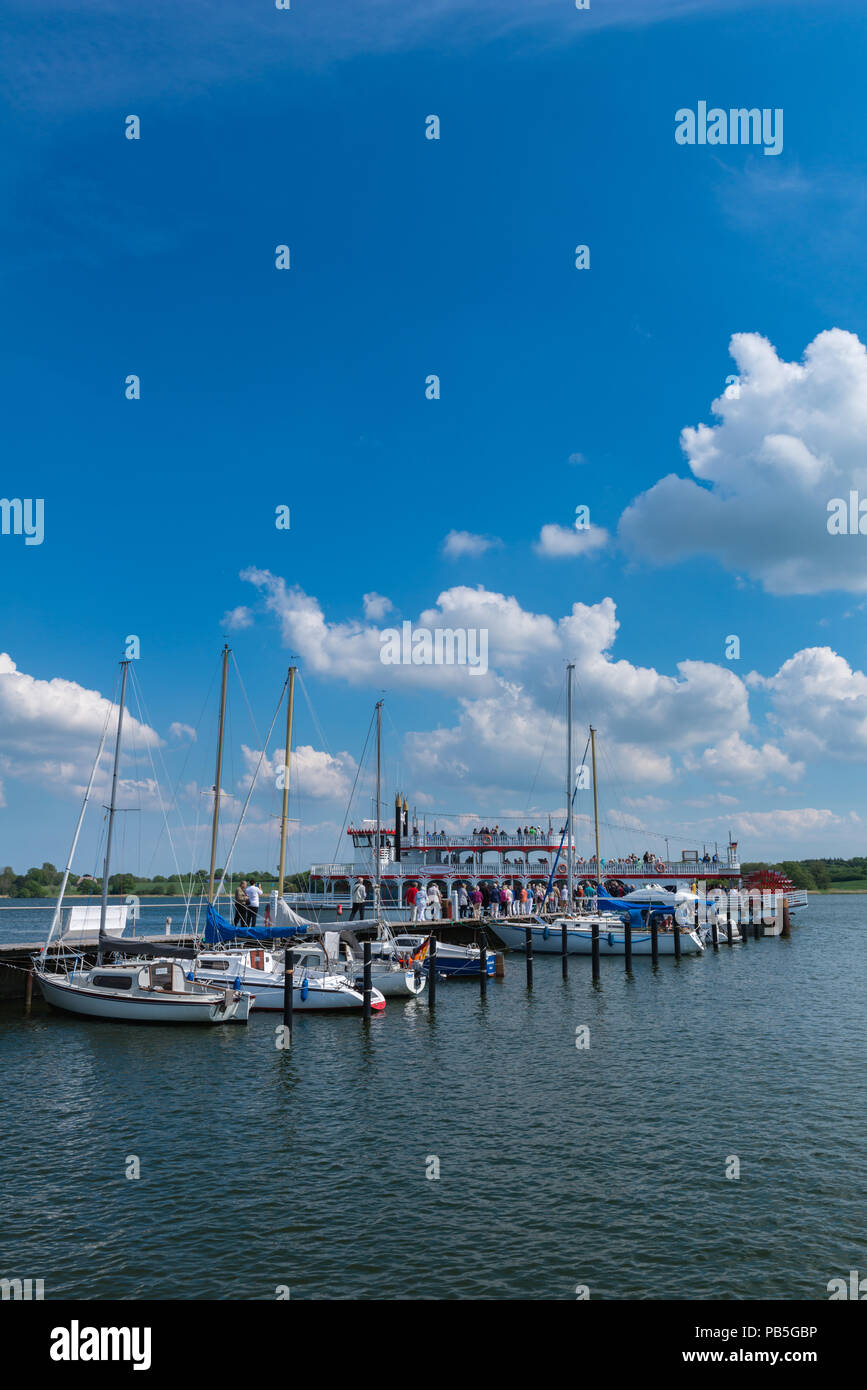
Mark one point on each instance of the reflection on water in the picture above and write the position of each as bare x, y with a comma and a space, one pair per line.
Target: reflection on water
558, 1166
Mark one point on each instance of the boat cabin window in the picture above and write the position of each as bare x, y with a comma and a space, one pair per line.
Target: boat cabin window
111, 981
160, 975
214, 964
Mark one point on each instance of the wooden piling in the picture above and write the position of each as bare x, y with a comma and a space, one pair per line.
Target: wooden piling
28, 990
288, 986
432, 971
714, 932
483, 963
564, 950
627, 946
787, 922
654, 940
594, 942
675, 927
528, 947
367, 981
730, 937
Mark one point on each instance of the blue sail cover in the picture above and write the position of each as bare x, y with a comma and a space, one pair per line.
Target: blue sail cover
218, 929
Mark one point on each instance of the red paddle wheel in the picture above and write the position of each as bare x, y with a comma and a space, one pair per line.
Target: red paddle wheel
768, 881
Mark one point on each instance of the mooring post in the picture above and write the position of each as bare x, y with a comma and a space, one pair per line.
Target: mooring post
654, 940
483, 963
594, 941
714, 932
627, 945
787, 921
528, 947
432, 971
730, 938
675, 927
28, 990
367, 981
564, 950
288, 986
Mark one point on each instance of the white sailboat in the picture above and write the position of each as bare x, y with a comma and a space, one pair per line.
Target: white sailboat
256, 970
260, 972
389, 975
547, 936
152, 988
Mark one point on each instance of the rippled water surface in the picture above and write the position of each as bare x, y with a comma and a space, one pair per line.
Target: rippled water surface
558, 1166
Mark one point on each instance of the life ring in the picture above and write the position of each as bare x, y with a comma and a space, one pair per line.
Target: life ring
561, 869
486, 840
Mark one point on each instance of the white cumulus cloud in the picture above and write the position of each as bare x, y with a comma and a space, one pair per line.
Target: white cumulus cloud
789, 439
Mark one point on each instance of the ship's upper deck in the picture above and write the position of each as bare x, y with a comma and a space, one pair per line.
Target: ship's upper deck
496, 854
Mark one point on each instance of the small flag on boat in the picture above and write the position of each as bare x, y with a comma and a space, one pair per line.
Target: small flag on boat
422, 951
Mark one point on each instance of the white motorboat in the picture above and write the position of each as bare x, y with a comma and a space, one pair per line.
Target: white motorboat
261, 974
154, 991
452, 960
340, 953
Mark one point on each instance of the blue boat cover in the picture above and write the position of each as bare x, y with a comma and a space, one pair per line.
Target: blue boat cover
218, 929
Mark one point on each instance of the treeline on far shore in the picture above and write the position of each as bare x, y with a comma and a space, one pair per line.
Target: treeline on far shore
45, 883
820, 875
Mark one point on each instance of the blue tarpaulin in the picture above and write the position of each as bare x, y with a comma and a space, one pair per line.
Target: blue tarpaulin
218, 929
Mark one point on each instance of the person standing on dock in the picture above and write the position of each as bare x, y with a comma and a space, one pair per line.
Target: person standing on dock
359, 898
476, 900
412, 900
242, 904
253, 895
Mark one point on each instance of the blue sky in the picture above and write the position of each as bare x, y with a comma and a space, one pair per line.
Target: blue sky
305, 387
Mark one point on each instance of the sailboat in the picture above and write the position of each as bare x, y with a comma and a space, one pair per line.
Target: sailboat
150, 988
547, 936
389, 972
254, 968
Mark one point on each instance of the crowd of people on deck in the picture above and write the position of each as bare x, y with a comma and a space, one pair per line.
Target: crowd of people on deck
493, 899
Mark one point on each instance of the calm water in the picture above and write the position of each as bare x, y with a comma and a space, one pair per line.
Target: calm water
262, 1168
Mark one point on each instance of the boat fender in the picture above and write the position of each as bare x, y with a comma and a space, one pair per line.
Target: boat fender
305, 988
611, 938
237, 982
190, 975
545, 932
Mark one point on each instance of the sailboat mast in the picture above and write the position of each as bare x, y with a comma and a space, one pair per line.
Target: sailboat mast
570, 777
378, 889
595, 806
124, 666
217, 782
286, 756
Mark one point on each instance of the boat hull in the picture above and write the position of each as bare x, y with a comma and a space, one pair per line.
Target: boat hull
579, 940
88, 1003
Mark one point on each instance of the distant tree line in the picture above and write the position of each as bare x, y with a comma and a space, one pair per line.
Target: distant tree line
817, 874
45, 883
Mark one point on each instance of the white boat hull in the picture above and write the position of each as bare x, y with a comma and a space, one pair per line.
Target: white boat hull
396, 984
88, 1003
547, 940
